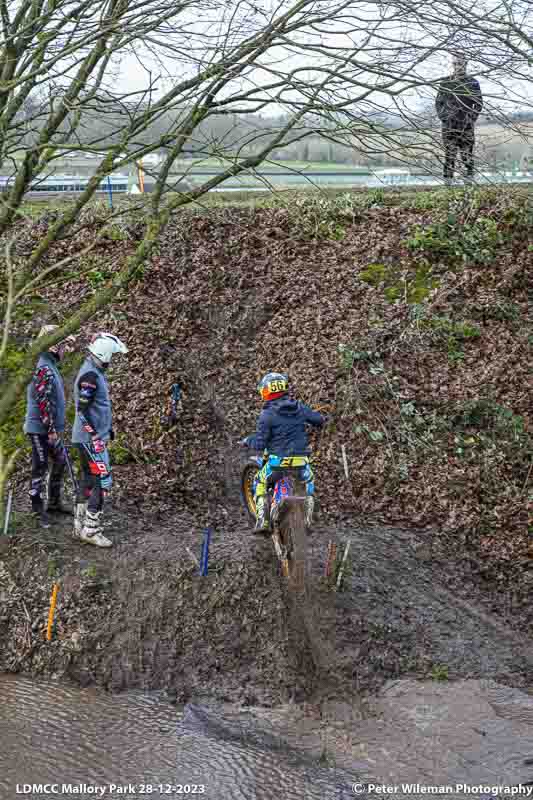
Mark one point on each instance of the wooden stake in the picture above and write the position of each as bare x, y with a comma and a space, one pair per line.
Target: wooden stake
193, 557
8, 511
332, 554
343, 565
345, 462
53, 601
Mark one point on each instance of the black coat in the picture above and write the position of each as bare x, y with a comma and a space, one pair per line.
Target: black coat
459, 102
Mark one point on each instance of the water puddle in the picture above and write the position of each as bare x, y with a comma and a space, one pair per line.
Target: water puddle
84, 743
58, 734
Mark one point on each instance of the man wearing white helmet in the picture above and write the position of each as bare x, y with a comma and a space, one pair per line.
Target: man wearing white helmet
92, 431
44, 424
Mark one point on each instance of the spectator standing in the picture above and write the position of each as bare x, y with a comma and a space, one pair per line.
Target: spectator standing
459, 103
45, 424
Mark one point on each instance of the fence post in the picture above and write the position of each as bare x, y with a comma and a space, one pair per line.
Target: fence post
110, 192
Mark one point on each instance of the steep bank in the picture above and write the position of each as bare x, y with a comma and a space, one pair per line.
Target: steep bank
412, 323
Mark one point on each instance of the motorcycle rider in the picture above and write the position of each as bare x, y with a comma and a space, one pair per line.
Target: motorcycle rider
91, 433
281, 431
44, 424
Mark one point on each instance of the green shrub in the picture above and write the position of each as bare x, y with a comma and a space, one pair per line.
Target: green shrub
27, 308
98, 276
348, 356
452, 334
460, 331
491, 417
374, 274
120, 454
413, 284
457, 240
323, 217
12, 435
115, 233
440, 672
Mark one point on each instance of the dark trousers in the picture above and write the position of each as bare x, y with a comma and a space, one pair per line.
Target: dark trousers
462, 140
90, 487
42, 453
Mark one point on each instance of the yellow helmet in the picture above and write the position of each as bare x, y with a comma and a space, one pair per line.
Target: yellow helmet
273, 385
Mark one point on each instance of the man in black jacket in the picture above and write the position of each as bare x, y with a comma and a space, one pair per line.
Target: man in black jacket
459, 103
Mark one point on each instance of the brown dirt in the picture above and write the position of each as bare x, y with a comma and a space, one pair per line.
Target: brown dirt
138, 616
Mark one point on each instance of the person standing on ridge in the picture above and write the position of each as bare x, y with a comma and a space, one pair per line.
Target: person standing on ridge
44, 424
459, 103
91, 433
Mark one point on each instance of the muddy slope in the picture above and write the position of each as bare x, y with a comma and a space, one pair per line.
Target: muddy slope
139, 616
410, 320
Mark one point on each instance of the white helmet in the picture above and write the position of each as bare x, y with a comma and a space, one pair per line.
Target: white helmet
104, 345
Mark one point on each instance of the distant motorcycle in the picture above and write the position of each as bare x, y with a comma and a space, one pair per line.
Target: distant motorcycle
286, 497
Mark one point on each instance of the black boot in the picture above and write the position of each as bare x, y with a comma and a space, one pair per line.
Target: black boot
37, 510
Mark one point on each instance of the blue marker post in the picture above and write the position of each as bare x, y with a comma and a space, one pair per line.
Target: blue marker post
110, 192
205, 552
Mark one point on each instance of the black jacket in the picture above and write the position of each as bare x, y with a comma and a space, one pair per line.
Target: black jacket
459, 101
281, 427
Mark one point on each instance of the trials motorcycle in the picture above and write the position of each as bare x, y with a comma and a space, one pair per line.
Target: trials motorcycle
286, 497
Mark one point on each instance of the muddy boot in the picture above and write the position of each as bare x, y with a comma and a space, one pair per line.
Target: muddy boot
261, 515
309, 507
91, 532
79, 519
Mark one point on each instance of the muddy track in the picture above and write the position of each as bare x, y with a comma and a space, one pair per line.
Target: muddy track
140, 617
416, 614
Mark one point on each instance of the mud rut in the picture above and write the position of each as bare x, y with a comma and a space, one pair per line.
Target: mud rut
139, 616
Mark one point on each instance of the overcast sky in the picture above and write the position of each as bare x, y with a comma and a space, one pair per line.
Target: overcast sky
501, 91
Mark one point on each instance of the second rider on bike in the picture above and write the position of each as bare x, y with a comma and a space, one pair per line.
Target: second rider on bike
281, 431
